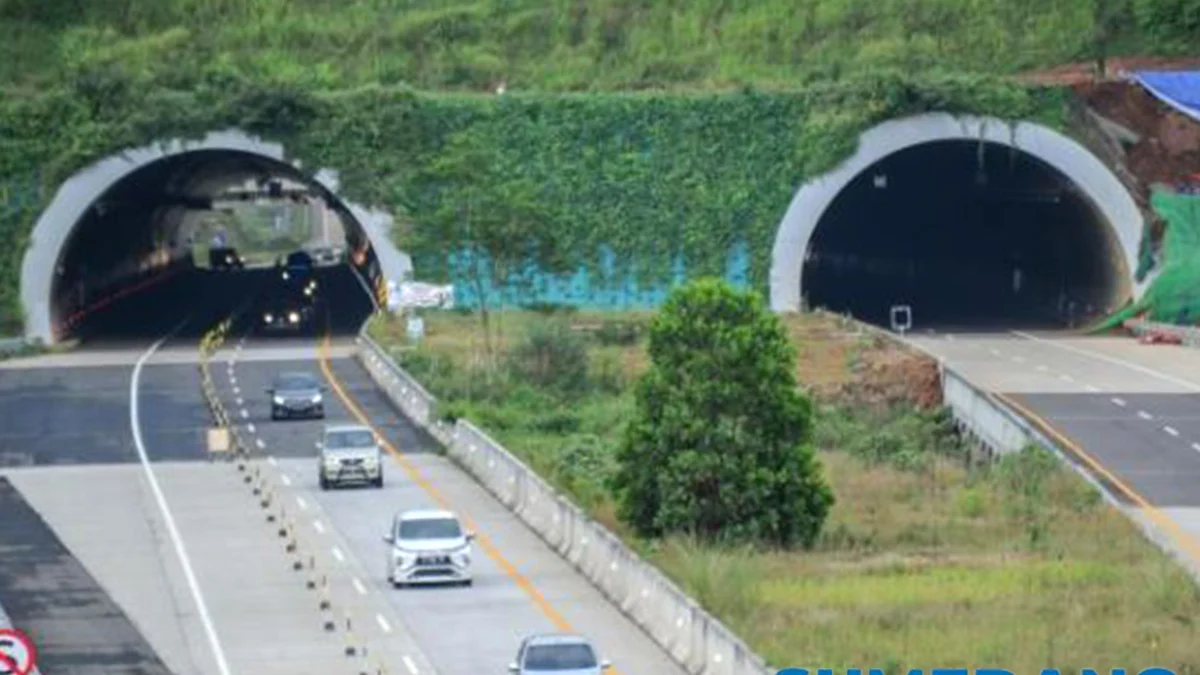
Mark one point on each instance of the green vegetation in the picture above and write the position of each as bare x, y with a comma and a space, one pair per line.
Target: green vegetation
568, 45
926, 557
721, 420
648, 175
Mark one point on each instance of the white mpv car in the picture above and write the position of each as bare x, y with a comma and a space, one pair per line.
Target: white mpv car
429, 547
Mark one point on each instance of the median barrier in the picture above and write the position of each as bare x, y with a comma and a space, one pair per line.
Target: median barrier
694, 638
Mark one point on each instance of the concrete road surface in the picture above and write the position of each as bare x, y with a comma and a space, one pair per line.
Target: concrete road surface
518, 588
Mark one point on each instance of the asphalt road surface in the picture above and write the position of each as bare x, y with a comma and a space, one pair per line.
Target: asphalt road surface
1132, 408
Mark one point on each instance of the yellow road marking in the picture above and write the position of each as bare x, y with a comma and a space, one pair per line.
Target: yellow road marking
415, 475
1181, 537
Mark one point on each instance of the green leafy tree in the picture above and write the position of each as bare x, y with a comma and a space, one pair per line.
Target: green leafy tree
490, 217
720, 444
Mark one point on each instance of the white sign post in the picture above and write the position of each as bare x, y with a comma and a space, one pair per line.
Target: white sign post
901, 318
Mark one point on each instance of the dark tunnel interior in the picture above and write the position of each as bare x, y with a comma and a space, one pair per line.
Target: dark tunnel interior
970, 235
127, 270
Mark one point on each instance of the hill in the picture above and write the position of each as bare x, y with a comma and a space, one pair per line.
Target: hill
571, 45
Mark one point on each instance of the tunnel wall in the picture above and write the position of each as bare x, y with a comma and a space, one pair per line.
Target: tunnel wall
53, 229
1071, 159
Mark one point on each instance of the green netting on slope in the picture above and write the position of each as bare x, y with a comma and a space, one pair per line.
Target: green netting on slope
1174, 295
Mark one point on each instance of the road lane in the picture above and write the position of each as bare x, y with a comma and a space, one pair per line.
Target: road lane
463, 630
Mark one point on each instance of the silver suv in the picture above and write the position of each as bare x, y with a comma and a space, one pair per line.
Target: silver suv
350, 453
558, 653
428, 547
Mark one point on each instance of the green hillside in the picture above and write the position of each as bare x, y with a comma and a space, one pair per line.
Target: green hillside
571, 44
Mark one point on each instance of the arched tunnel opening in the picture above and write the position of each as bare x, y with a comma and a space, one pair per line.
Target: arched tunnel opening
189, 239
969, 235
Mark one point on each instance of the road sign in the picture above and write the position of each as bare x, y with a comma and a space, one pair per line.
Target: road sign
17, 655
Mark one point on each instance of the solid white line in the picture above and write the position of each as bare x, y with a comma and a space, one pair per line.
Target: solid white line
383, 623
285, 479
1109, 359
1171, 430
408, 663
358, 586
319, 527
337, 553
1145, 415
172, 530
260, 444
301, 503
1119, 401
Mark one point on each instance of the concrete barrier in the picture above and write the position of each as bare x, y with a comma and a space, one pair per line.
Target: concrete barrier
693, 637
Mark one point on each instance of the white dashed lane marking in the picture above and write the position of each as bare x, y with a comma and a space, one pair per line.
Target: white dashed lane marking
286, 480
358, 586
1171, 430
412, 667
260, 444
387, 628
1042, 369
1145, 415
337, 553
301, 503
319, 527
1119, 401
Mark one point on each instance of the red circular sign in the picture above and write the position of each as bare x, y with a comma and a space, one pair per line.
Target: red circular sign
17, 655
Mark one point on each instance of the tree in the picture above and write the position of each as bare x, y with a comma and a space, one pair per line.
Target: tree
720, 444
485, 217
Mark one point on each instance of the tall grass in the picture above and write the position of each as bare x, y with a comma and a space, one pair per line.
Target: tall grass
927, 559
578, 44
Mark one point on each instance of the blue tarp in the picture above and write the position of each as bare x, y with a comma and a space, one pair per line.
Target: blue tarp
1180, 89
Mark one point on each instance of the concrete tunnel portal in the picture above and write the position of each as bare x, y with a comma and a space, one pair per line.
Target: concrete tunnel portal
124, 228
972, 223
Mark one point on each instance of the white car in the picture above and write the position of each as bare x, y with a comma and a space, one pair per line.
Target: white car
559, 653
428, 547
350, 453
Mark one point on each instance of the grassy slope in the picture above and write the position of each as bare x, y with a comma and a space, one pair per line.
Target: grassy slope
923, 560
568, 44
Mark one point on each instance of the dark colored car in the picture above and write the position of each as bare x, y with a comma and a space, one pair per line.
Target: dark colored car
296, 394
225, 258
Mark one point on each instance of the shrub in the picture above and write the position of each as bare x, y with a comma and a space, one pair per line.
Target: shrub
551, 356
719, 446
621, 333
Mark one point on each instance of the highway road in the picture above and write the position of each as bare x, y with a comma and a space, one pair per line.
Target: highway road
160, 560
1134, 409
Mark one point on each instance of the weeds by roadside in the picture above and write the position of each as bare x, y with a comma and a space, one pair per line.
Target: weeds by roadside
927, 557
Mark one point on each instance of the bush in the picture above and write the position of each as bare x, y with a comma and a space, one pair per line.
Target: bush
552, 356
719, 446
622, 333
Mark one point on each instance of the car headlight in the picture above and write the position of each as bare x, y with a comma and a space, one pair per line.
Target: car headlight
268, 317
294, 317
404, 558
461, 557
316, 398
278, 400
286, 276
308, 291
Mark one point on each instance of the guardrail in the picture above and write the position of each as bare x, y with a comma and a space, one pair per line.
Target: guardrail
693, 637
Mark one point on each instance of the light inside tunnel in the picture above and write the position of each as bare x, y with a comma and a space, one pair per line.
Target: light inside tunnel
136, 244
968, 234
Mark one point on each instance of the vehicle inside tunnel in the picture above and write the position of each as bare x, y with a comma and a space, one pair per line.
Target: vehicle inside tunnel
969, 235
189, 239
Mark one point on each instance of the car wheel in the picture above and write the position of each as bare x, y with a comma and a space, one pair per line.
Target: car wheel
324, 483
468, 583
378, 482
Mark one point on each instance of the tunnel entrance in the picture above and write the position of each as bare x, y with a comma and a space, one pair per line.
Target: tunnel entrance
185, 240
969, 234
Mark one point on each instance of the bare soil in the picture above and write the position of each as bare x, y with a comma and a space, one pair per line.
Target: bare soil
843, 361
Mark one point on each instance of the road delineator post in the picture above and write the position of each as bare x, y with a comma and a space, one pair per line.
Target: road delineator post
351, 647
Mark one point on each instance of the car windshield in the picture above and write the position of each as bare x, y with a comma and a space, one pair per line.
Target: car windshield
559, 657
294, 381
430, 528
299, 259
355, 438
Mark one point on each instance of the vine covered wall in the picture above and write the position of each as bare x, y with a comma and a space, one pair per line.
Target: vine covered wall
635, 182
